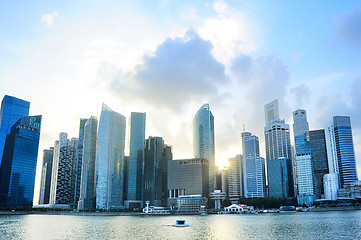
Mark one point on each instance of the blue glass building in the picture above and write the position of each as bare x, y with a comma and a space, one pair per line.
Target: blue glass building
18, 167
279, 177
12, 109
136, 160
345, 150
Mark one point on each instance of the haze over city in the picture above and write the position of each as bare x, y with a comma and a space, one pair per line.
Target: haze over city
168, 58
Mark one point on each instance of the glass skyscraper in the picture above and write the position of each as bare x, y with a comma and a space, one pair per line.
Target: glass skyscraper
18, 167
278, 152
156, 171
203, 140
78, 164
110, 160
12, 109
345, 150
136, 160
87, 186
46, 171
304, 164
253, 167
235, 178
319, 158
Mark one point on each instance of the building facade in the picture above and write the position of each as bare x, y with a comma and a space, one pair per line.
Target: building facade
235, 178
187, 177
12, 109
203, 141
88, 177
330, 185
110, 160
79, 161
156, 172
46, 171
254, 176
319, 158
18, 167
136, 160
278, 153
63, 179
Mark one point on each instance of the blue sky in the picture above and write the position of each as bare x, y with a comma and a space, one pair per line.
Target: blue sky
167, 58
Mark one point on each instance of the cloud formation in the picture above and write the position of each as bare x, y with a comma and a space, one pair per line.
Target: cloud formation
180, 70
48, 19
348, 26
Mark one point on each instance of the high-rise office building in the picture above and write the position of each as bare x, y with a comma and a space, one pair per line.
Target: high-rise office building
87, 186
278, 153
254, 176
136, 160
155, 172
78, 164
110, 160
203, 140
18, 167
330, 185
235, 178
46, 171
305, 172
12, 109
319, 158
63, 179
345, 150
340, 150
187, 177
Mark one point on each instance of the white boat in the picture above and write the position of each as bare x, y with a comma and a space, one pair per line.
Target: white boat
181, 223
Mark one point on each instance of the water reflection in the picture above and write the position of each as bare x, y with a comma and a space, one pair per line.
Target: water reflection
327, 225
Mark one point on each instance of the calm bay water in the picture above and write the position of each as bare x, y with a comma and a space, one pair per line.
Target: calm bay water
309, 225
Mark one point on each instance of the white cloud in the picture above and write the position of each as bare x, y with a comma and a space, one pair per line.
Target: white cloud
48, 19
220, 7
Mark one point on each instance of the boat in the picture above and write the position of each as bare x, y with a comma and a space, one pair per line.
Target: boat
181, 223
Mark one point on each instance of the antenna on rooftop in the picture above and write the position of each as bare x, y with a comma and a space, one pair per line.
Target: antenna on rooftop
244, 128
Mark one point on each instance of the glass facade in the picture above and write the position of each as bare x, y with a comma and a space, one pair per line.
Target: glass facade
18, 167
110, 160
253, 167
136, 156
235, 178
45, 181
278, 171
319, 158
345, 150
87, 186
78, 164
156, 172
12, 109
203, 140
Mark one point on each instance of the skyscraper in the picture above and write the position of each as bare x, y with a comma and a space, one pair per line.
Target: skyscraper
87, 186
319, 158
305, 172
63, 179
110, 160
46, 171
78, 164
341, 150
19, 163
253, 167
203, 140
12, 109
278, 152
156, 172
235, 178
136, 160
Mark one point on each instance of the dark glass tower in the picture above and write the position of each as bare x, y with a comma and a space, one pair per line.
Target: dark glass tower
79, 160
345, 149
319, 158
18, 167
156, 172
46, 176
12, 109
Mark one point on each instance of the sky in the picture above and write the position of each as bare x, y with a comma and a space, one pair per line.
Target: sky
167, 58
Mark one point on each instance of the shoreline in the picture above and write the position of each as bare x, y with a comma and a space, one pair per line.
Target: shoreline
139, 214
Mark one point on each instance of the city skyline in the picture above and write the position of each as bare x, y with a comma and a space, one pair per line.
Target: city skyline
68, 58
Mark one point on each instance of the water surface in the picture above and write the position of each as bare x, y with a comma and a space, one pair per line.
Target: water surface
309, 225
